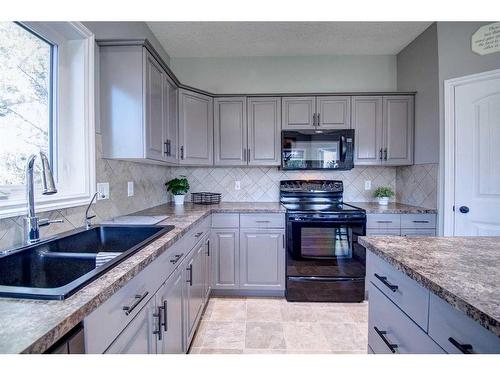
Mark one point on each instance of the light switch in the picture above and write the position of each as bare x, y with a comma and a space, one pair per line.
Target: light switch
237, 185
103, 189
130, 188
368, 185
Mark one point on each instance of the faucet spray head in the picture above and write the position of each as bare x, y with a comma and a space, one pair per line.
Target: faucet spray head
49, 187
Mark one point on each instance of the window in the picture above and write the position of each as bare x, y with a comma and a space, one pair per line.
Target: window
26, 93
46, 104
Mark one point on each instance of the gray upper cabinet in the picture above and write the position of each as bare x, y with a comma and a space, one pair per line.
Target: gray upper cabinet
196, 124
367, 125
134, 106
298, 113
333, 112
264, 131
230, 133
170, 121
383, 130
398, 127
262, 259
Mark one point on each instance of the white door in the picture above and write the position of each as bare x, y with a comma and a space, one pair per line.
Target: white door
477, 158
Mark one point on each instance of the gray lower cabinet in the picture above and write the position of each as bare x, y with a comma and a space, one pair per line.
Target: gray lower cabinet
407, 225
139, 336
262, 259
196, 125
194, 269
169, 309
264, 131
226, 258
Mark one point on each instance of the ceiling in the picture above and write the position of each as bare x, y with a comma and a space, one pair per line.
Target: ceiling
231, 39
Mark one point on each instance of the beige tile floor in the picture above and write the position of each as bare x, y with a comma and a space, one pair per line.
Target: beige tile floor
243, 325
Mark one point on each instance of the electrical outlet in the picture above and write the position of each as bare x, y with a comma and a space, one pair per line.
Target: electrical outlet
237, 185
103, 189
130, 188
368, 185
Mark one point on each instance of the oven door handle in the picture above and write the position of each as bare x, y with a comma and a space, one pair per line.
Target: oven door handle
351, 223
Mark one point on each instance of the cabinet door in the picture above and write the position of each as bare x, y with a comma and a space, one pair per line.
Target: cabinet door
398, 130
262, 259
298, 113
169, 301
264, 131
196, 124
153, 81
367, 125
230, 131
334, 112
170, 121
194, 291
139, 336
225, 244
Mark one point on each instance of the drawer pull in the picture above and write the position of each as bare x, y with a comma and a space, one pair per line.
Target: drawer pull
421, 221
384, 281
138, 299
384, 221
177, 257
382, 334
198, 234
262, 221
190, 269
464, 348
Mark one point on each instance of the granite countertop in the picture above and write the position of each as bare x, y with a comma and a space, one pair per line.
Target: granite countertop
464, 271
392, 208
32, 326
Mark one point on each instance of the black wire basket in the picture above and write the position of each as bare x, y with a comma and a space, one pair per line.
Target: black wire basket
204, 197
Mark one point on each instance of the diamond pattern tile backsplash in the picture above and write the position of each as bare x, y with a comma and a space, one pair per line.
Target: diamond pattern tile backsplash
417, 185
262, 184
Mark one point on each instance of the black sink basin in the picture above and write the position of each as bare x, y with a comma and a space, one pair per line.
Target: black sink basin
57, 268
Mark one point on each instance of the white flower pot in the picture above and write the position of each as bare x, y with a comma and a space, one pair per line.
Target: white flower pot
383, 201
179, 199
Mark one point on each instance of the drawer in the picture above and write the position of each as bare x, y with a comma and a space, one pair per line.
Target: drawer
418, 232
383, 221
262, 220
418, 221
383, 232
412, 298
196, 234
388, 325
447, 324
104, 324
225, 220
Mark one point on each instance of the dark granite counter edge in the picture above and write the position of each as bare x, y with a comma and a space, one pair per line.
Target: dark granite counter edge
485, 320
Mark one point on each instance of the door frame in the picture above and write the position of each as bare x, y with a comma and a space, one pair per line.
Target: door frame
447, 154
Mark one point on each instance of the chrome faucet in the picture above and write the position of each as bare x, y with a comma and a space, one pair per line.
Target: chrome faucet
32, 223
88, 219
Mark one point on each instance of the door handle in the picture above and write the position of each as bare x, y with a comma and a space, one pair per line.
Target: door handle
464, 209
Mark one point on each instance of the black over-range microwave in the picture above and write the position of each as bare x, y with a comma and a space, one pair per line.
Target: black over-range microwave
313, 149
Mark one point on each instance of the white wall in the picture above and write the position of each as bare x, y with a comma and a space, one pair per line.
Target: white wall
281, 74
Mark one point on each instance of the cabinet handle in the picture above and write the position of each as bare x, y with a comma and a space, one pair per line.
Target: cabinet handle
380, 154
385, 154
165, 144
208, 248
158, 330
182, 152
165, 316
198, 234
314, 119
138, 299
382, 334
262, 221
283, 240
177, 258
245, 154
317, 120
248, 157
386, 283
190, 269
421, 221
384, 221
464, 348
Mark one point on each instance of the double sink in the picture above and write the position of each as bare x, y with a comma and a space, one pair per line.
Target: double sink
57, 268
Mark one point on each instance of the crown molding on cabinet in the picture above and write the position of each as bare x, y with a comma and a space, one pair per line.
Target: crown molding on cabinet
145, 43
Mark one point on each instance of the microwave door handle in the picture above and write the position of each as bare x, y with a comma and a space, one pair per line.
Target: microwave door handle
343, 147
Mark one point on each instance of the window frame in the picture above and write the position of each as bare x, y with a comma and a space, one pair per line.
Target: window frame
72, 56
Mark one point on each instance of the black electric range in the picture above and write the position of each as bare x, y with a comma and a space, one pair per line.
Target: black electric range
325, 263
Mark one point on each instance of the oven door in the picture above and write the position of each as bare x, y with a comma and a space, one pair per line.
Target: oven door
310, 149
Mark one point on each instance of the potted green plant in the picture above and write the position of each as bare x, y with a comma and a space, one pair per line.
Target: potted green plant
383, 193
178, 187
